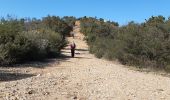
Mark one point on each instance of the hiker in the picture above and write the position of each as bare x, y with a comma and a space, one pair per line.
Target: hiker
72, 46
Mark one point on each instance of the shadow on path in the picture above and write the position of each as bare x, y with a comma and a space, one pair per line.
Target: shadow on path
17, 71
9, 76
67, 52
66, 57
77, 49
36, 64
39, 64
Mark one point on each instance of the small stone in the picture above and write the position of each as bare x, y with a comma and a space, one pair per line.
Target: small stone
38, 75
7, 87
160, 89
12, 98
31, 92
75, 97
55, 84
46, 93
14, 91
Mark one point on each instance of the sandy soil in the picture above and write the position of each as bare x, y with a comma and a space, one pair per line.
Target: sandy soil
83, 78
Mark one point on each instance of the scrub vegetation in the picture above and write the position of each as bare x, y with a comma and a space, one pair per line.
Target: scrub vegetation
33, 39
144, 45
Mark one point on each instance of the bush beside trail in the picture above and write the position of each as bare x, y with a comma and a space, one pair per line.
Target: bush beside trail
24, 40
142, 45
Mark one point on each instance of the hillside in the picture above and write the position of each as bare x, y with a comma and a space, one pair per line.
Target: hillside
83, 77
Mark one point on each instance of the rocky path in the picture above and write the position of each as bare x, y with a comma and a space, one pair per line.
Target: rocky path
83, 78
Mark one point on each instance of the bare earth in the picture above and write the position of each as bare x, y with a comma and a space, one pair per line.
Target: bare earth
83, 77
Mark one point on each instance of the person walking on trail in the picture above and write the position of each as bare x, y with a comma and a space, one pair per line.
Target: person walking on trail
73, 46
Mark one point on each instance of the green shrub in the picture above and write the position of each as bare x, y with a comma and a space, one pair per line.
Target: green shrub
143, 45
20, 43
167, 68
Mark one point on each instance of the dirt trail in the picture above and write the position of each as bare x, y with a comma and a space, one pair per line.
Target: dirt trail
86, 78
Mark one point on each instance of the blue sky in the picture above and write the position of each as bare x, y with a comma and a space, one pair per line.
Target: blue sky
121, 11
